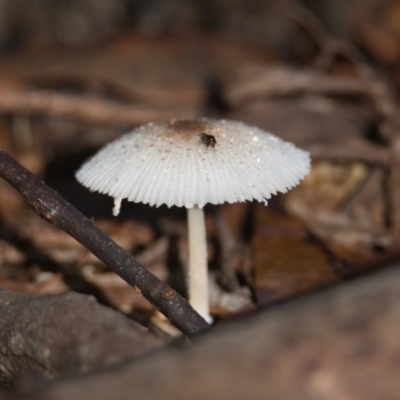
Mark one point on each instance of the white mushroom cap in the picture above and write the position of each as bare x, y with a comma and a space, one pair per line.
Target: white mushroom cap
174, 163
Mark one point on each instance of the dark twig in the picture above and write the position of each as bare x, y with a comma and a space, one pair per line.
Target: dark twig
54, 209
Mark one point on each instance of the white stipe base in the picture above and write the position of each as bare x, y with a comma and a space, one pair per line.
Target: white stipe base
197, 274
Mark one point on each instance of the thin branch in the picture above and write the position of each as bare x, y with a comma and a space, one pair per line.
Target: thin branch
77, 107
54, 209
152, 96
283, 81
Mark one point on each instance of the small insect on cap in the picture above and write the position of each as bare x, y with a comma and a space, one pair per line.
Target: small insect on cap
188, 162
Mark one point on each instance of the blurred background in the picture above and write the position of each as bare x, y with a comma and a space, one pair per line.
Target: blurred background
324, 74
44, 23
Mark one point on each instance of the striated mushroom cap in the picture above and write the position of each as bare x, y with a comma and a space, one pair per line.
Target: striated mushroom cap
188, 162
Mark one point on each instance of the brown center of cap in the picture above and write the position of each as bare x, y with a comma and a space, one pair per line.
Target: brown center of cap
188, 126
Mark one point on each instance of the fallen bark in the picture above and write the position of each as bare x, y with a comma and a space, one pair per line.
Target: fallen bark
338, 344
49, 336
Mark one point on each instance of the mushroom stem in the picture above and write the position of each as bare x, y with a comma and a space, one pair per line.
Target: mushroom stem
197, 274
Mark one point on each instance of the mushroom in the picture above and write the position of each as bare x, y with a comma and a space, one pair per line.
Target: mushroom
189, 163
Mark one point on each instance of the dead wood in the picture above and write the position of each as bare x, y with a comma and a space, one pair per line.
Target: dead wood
95, 82
53, 335
341, 342
90, 110
284, 81
54, 209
